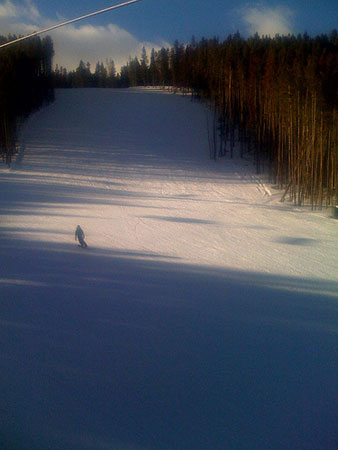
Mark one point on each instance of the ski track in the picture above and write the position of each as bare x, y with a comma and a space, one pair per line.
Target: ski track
203, 316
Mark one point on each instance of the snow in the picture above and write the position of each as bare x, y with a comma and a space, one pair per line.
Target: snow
203, 315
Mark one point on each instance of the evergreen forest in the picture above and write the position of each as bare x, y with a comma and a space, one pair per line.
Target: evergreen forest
25, 85
277, 97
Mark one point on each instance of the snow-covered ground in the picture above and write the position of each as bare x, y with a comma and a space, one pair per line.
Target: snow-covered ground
203, 316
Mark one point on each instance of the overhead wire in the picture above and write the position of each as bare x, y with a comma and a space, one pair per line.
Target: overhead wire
36, 33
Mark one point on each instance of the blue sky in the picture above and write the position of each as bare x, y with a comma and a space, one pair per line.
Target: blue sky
153, 23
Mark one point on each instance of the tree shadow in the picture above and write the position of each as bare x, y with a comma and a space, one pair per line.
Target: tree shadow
297, 241
131, 350
128, 350
188, 220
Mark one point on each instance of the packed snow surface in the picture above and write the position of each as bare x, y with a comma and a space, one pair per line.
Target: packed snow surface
203, 315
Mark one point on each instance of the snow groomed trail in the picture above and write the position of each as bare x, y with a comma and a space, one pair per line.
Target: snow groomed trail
203, 315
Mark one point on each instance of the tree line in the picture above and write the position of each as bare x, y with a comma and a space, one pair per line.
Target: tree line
25, 85
277, 97
104, 76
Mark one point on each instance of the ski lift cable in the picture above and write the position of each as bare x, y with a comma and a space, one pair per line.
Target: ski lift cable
101, 11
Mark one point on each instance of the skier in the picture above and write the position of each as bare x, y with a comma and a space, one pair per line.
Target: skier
79, 234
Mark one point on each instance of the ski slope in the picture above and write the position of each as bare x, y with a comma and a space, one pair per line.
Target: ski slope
203, 315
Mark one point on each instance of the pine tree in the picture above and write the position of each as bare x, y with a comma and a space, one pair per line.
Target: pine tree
144, 68
25, 85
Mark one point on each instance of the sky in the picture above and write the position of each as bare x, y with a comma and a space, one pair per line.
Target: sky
121, 33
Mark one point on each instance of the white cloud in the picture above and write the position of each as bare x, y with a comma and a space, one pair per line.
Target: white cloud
27, 9
266, 20
30, 10
74, 42
7, 9
96, 43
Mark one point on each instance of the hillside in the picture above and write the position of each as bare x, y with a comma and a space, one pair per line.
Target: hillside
203, 315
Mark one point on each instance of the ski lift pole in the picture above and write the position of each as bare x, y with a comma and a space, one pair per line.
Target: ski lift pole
101, 11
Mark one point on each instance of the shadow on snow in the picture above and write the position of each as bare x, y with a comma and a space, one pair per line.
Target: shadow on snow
124, 350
